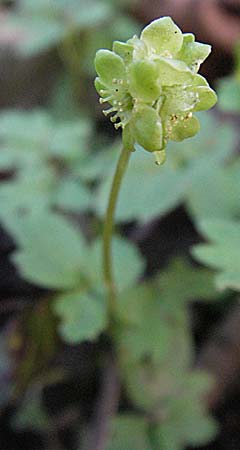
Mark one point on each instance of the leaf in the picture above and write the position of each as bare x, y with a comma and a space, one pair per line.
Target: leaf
166, 186
37, 34
73, 196
155, 314
127, 263
152, 330
37, 137
185, 420
229, 94
32, 191
216, 196
181, 282
41, 26
52, 252
83, 316
129, 432
44, 153
222, 252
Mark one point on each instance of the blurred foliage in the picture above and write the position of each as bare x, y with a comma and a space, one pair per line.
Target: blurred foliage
222, 252
229, 87
56, 165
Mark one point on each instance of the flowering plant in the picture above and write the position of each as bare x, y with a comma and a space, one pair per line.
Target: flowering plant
153, 86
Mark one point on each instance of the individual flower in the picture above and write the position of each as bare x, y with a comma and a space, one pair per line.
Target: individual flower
152, 86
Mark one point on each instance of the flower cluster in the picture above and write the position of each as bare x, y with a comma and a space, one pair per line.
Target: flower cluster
153, 87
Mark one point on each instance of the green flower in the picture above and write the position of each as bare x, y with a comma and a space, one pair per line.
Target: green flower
152, 86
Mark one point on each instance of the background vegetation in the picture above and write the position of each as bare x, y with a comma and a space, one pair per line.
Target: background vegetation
176, 251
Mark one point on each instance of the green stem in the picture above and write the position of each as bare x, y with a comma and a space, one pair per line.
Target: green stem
108, 230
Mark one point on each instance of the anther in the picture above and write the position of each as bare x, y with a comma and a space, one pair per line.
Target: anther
108, 111
118, 125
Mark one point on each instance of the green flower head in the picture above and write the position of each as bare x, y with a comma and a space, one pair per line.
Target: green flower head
153, 87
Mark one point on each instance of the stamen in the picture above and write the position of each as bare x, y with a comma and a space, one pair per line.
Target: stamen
109, 111
114, 118
105, 100
118, 125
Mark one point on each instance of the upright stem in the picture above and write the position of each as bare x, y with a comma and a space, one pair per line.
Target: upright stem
108, 229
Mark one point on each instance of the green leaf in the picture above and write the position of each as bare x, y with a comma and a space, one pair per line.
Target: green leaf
42, 25
52, 252
83, 316
30, 192
129, 432
163, 35
222, 252
37, 34
216, 196
155, 316
45, 155
229, 94
72, 196
186, 421
127, 263
181, 282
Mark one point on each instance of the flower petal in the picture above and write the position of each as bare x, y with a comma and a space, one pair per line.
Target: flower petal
100, 87
147, 128
178, 101
206, 97
172, 72
199, 80
183, 129
109, 67
162, 36
124, 50
193, 53
144, 81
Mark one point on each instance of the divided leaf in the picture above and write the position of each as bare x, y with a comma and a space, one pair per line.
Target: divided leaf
52, 252
83, 315
222, 252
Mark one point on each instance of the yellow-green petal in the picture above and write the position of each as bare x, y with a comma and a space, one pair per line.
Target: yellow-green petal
207, 98
109, 67
124, 50
173, 72
185, 128
143, 81
163, 36
147, 128
193, 53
